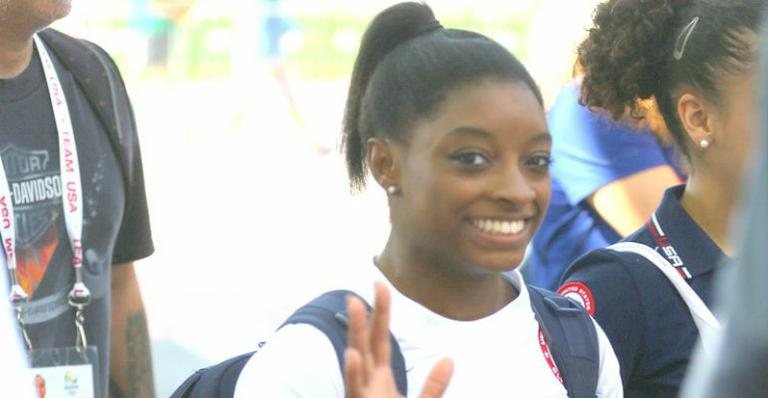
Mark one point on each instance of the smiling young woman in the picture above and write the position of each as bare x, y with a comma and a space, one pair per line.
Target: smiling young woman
451, 126
473, 188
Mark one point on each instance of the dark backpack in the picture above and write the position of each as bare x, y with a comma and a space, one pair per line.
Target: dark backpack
572, 339
576, 352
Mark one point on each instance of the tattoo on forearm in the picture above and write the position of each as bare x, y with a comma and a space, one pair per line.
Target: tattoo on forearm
140, 379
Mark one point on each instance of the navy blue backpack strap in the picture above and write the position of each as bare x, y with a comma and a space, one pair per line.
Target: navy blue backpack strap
329, 314
572, 340
214, 381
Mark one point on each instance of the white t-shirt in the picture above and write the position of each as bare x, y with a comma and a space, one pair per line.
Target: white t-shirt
498, 355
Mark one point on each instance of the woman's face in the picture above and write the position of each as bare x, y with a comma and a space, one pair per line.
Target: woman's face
474, 178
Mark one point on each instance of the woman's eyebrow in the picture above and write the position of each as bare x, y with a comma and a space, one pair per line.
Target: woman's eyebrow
541, 137
469, 130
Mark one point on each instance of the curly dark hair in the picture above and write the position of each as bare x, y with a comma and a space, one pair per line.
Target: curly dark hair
629, 54
406, 65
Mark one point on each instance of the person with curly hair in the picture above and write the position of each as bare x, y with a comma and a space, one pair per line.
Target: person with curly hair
694, 62
607, 178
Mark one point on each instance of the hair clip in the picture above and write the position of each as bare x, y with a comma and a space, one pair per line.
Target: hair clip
682, 40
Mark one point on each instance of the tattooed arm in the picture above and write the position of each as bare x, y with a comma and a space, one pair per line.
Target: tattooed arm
130, 363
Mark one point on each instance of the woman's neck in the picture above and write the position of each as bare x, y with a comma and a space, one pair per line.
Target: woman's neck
711, 204
448, 289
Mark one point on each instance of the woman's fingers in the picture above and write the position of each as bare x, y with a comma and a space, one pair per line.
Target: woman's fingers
380, 383
438, 379
353, 377
380, 345
358, 335
367, 372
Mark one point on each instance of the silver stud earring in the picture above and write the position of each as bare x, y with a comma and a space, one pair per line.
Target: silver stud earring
704, 144
393, 190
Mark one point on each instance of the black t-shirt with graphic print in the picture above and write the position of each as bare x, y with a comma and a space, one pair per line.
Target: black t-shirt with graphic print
30, 155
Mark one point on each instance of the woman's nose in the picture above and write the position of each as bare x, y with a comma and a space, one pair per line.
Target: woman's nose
511, 185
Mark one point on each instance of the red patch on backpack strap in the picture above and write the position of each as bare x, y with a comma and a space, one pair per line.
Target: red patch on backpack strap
580, 293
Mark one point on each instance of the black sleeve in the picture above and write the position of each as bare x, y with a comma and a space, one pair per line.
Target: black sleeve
98, 76
602, 277
134, 239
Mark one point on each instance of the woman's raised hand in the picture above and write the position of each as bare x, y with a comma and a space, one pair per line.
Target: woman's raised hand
367, 373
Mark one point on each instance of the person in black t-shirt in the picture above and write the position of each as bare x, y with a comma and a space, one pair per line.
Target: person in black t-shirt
114, 216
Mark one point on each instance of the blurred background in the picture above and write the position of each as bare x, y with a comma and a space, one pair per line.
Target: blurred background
239, 106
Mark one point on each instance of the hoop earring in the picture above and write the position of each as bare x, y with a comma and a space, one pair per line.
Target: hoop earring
704, 144
393, 190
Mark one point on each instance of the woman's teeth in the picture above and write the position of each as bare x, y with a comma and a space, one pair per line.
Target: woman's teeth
499, 226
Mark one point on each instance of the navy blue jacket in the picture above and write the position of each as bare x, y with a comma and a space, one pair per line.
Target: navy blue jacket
647, 322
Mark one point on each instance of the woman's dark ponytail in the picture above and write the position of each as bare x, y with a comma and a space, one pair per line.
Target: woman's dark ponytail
390, 28
407, 65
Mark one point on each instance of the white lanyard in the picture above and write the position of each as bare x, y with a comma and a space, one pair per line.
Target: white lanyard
8, 233
703, 318
72, 200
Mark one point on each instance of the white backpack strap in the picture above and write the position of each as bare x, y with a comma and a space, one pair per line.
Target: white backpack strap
703, 318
